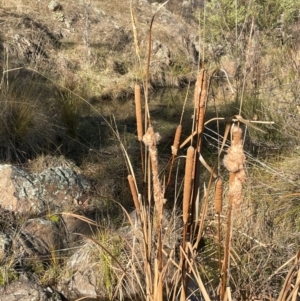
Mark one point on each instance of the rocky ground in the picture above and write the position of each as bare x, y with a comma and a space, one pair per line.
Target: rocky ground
51, 225
93, 43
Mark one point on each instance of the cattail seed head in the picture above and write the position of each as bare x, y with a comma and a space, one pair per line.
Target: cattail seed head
138, 111
200, 96
219, 195
175, 145
200, 122
188, 182
200, 89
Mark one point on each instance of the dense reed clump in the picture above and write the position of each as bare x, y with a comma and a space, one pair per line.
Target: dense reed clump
182, 260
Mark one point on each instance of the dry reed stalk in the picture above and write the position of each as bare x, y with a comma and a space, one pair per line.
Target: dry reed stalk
138, 111
288, 287
135, 36
202, 216
227, 246
139, 120
218, 207
187, 191
158, 287
234, 162
297, 286
151, 139
134, 194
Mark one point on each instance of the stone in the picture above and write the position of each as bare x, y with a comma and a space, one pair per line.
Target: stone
84, 275
5, 243
41, 237
27, 290
54, 6
53, 190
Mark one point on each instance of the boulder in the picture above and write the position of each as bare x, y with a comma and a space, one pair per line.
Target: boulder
52, 190
84, 277
26, 289
42, 237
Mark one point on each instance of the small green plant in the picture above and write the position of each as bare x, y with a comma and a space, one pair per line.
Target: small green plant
108, 251
55, 218
7, 275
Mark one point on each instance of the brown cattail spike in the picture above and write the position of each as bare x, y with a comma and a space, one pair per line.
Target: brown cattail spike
175, 145
138, 111
134, 194
200, 96
203, 91
188, 183
219, 195
200, 88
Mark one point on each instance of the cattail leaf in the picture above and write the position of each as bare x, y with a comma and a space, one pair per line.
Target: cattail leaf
190, 137
227, 130
207, 166
134, 193
248, 123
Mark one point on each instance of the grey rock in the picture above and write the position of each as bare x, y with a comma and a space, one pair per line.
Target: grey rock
54, 6
41, 237
5, 243
84, 276
25, 291
52, 190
